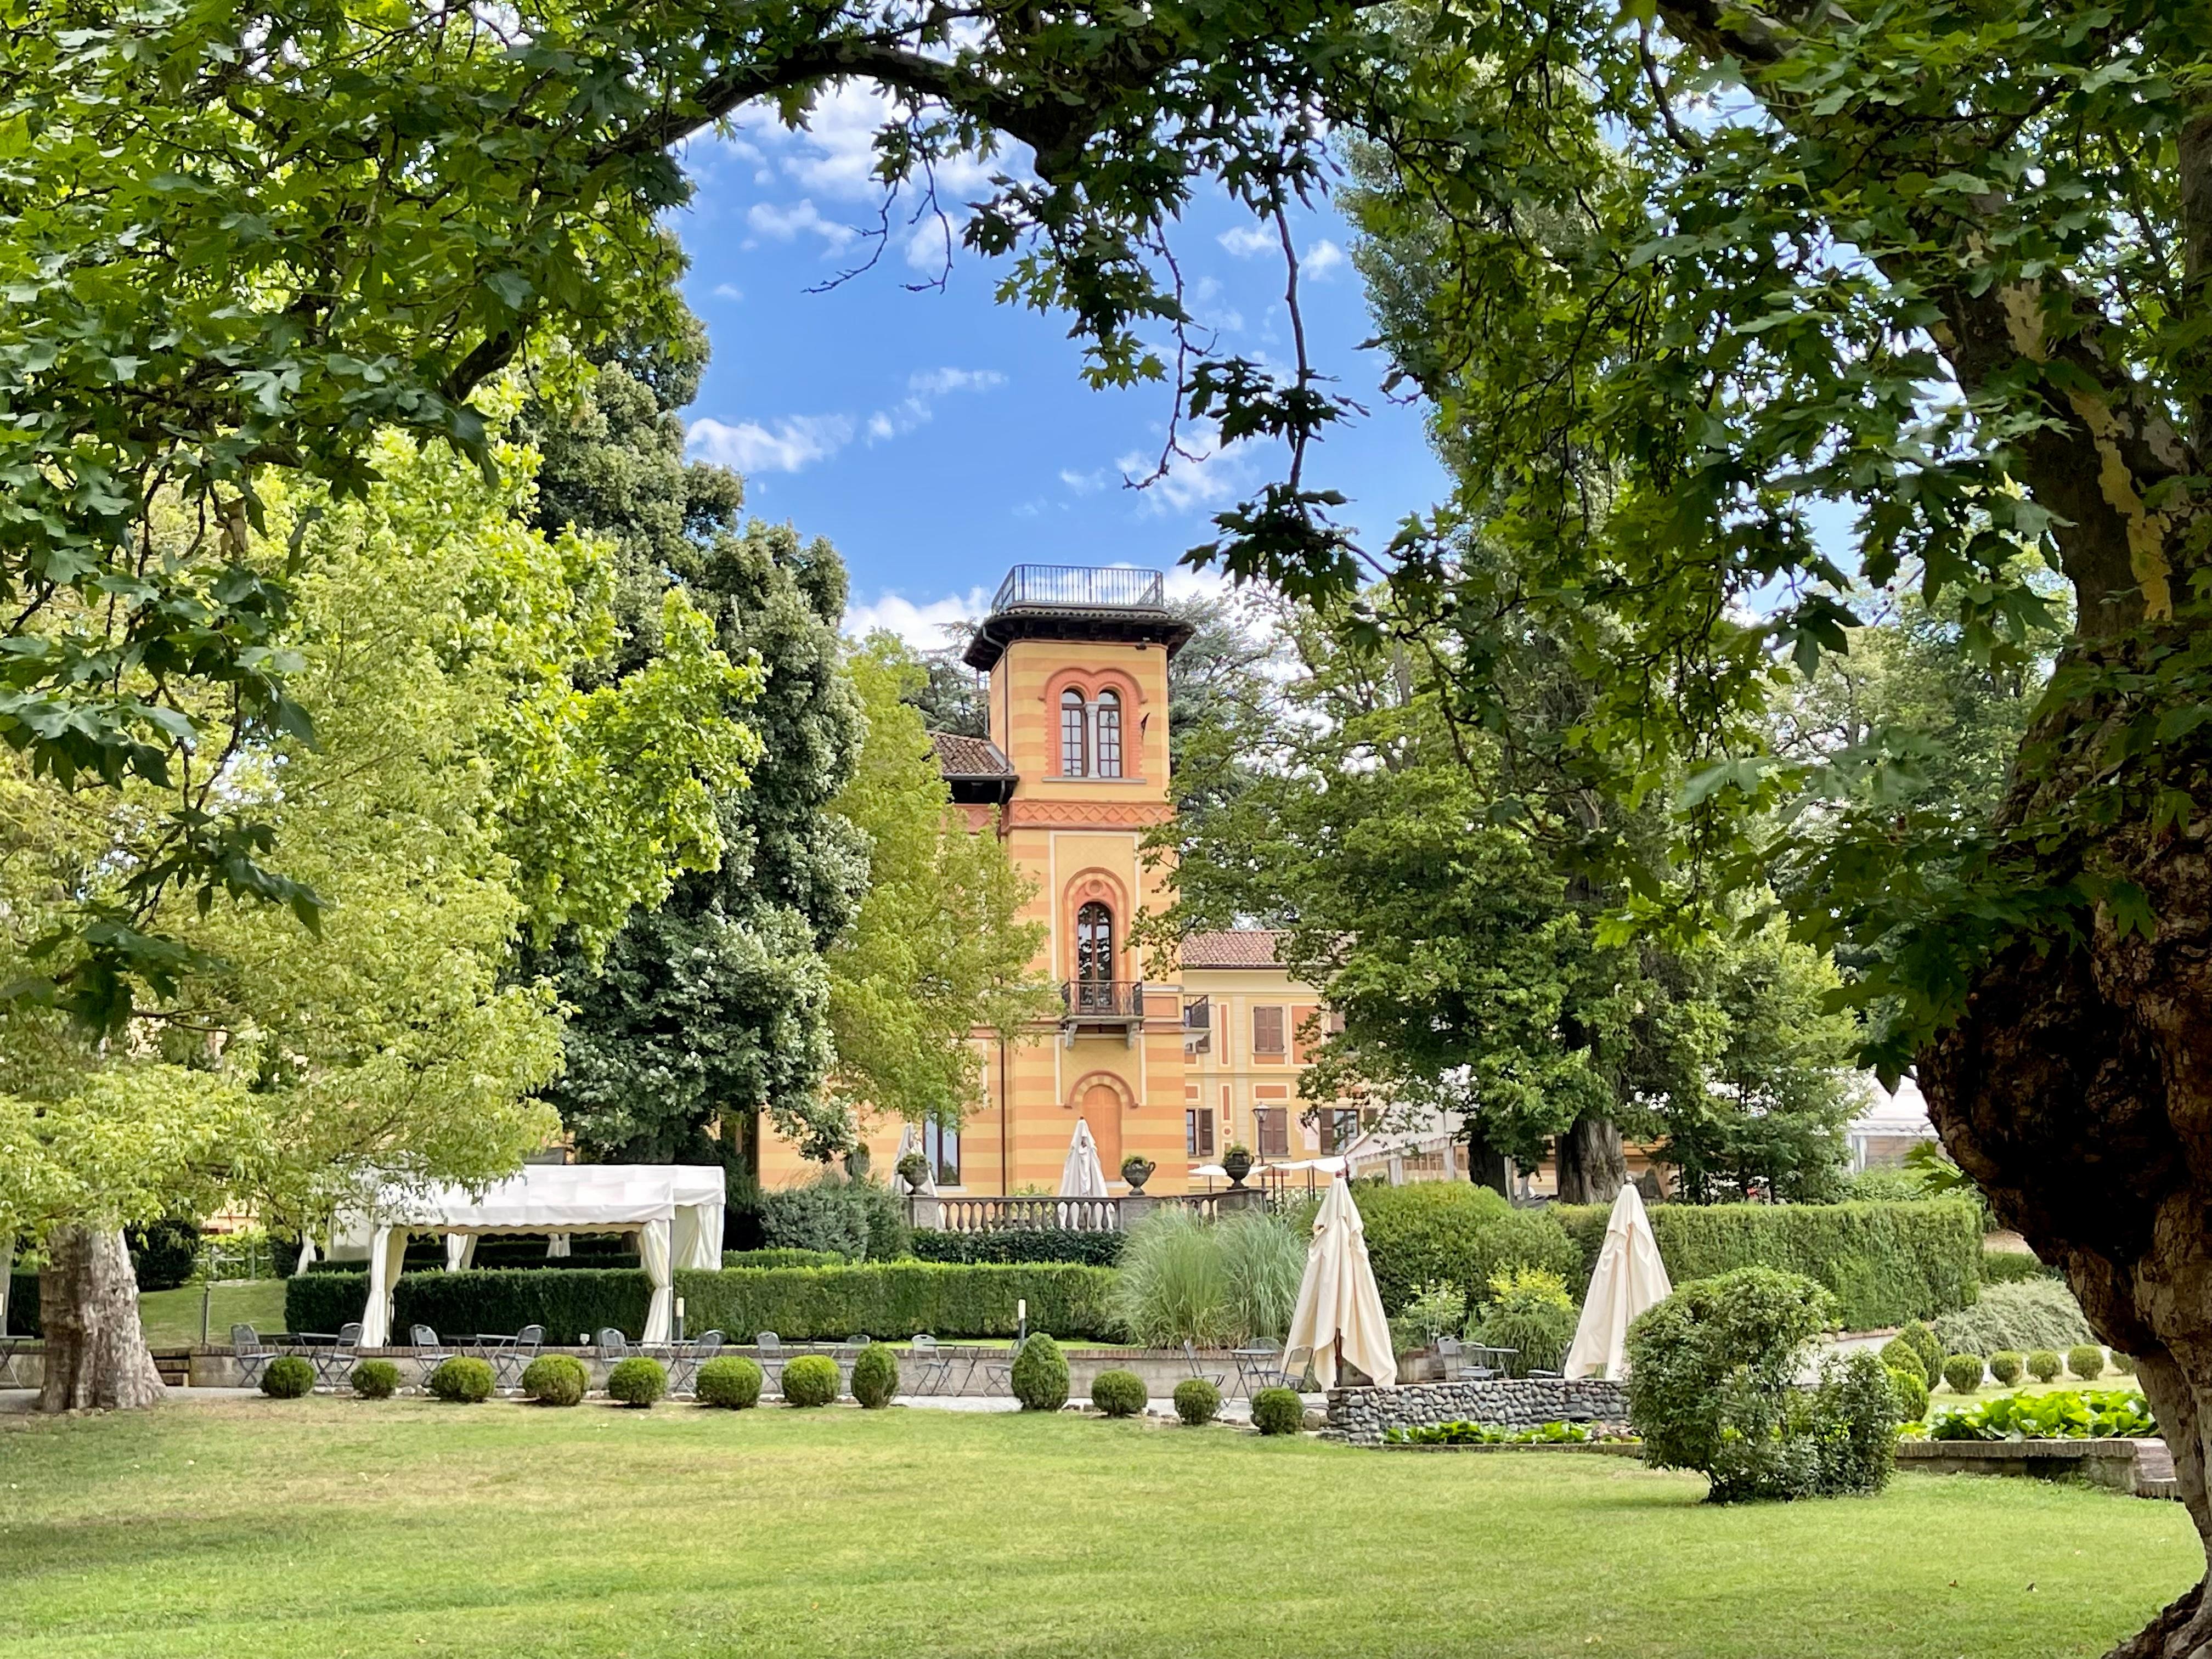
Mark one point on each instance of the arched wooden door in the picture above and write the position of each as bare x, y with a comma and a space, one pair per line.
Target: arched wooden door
1102, 1109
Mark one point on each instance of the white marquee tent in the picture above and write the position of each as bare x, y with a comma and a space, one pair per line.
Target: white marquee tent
675, 1209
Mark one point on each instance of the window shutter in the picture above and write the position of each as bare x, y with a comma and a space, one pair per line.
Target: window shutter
1267, 1031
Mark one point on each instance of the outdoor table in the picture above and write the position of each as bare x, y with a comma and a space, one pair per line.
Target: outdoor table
328, 1363
1258, 1368
9, 1348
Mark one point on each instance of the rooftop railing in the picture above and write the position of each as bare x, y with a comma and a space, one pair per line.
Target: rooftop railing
1082, 587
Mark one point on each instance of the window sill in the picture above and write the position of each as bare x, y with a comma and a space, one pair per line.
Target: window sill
1125, 778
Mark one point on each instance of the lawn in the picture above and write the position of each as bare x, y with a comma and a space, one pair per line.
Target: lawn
331, 1527
171, 1318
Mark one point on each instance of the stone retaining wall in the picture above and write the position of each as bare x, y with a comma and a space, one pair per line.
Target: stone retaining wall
1360, 1415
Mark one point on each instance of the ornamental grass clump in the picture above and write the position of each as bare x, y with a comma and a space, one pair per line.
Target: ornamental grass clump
1278, 1410
288, 1377
462, 1380
2086, 1360
376, 1379
1197, 1402
555, 1379
637, 1381
1963, 1371
731, 1383
1119, 1393
875, 1377
809, 1380
1039, 1378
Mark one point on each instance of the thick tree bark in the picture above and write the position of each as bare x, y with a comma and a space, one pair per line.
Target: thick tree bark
95, 1353
1592, 1167
1485, 1164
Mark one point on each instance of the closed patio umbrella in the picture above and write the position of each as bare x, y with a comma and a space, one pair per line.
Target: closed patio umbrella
910, 1141
1082, 1175
1340, 1314
1630, 1278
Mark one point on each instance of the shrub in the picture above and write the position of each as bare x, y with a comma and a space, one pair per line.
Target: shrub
732, 1383
163, 1253
1278, 1410
1530, 1312
1040, 1379
1119, 1393
1197, 1400
810, 1380
1963, 1371
2123, 1363
376, 1379
2043, 1364
1898, 1355
2005, 1366
2010, 1267
288, 1376
1438, 1309
782, 1259
1457, 1232
1173, 1286
1710, 1370
851, 1216
2086, 1360
1263, 1258
1883, 1263
637, 1381
1020, 1244
2033, 1313
1929, 1348
1853, 1417
876, 1376
462, 1380
555, 1379
1911, 1391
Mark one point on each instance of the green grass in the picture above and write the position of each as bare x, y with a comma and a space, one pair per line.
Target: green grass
334, 1527
171, 1319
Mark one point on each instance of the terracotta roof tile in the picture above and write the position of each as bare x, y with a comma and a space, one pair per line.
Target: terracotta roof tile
1238, 947
962, 757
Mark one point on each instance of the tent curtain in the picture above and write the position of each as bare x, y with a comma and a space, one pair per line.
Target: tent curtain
307, 1254
387, 1253
557, 1246
661, 1312
460, 1252
698, 1237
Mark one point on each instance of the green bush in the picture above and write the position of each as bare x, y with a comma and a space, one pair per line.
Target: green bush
1911, 1391
2032, 1313
2059, 1414
854, 1217
1006, 1244
462, 1380
2044, 1364
23, 1306
2123, 1363
1197, 1400
1963, 1371
1530, 1312
2010, 1267
876, 1376
1217, 1284
637, 1381
163, 1253
1458, 1231
1929, 1348
556, 1379
1852, 1415
732, 1383
1711, 1378
376, 1379
2086, 1360
1040, 1379
1883, 1263
1898, 1355
1119, 1393
1278, 1410
2005, 1366
810, 1380
782, 1259
288, 1376
891, 1301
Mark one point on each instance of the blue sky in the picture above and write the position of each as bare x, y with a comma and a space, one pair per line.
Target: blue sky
937, 437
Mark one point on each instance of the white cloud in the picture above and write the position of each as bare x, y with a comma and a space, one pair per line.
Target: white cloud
1206, 475
1245, 240
835, 152
728, 291
783, 224
923, 389
798, 440
1321, 259
1083, 483
920, 624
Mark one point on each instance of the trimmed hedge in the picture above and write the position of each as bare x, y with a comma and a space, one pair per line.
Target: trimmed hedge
464, 1380
565, 1304
1040, 1375
1119, 1393
1196, 1401
23, 1306
1278, 1410
1456, 1231
288, 1377
809, 1380
2010, 1267
773, 1258
1013, 1244
1883, 1263
376, 1379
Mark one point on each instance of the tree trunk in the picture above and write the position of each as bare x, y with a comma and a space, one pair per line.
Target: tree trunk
1485, 1164
1593, 1169
2077, 1091
96, 1353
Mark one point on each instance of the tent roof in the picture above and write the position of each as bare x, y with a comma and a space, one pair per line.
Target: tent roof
558, 1198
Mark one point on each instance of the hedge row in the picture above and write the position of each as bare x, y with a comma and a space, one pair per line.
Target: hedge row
1455, 1231
887, 1300
23, 1306
772, 1257
1885, 1263
2010, 1267
1020, 1244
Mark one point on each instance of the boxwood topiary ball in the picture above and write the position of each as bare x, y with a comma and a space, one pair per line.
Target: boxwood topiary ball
2086, 1360
637, 1381
732, 1383
810, 1380
288, 1377
1278, 1410
2005, 1366
463, 1380
1119, 1393
1196, 1401
1911, 1391
2043, 1364
1040, 1379
555, 1379
1963, 1371
875, 1377
376, 1379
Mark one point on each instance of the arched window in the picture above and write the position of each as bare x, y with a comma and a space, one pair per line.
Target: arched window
1094, 953
1073, 750
1109, 746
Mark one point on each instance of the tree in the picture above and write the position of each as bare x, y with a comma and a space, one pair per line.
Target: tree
938, 950
1945, 267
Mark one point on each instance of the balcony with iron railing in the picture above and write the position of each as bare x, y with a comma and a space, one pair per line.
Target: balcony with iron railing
1113, 1000
1080, 588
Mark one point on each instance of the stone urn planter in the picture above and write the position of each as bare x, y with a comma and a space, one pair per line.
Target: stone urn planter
1137, 1172
1236, 1164
914, 1170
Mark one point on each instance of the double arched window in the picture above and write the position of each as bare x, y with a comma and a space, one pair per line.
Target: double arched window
1090, 735
1094, 944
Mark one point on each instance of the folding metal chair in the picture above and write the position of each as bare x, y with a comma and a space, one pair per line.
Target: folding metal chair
932, 1370
427, 1349
684, 1365
769, 1347
254, 1354
515, 1354
611, 1343
334, 1364
1220, 1379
